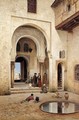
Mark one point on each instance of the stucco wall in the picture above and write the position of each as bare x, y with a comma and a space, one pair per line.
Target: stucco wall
59, 42
68, 41
73, 59
14, 14
5, 44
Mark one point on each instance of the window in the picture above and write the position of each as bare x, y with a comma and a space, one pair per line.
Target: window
69, 2
69, 7
32, 6
18, 47
77, 72
26, 47
62, 54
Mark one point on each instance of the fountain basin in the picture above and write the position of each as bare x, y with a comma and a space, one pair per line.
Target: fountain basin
60, 107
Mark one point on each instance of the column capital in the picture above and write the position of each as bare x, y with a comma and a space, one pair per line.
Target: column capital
41, 59
49, 54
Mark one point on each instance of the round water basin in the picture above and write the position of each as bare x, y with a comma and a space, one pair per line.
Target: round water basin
61, 107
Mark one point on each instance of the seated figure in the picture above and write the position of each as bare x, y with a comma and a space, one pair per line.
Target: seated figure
44, 89
37, 99
31, 97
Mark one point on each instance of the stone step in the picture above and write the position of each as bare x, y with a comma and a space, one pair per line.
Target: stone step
18, 92
24, 90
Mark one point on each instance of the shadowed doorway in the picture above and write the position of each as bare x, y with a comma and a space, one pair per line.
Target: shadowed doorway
23, 69
59, 76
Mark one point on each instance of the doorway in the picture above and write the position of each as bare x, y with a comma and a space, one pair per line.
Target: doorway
59, 74
20, 69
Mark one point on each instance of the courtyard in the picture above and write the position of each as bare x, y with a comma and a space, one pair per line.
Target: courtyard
11, 107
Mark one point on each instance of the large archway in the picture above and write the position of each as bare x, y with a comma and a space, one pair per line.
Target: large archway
29, 45
33, 33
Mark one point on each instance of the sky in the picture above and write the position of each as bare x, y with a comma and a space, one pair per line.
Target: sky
17, 67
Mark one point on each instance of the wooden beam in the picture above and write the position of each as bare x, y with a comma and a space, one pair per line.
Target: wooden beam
69, 23
56, 3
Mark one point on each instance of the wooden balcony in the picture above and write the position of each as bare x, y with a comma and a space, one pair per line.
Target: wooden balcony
69, 23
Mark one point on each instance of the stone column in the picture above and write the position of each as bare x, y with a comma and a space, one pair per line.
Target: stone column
22, 71
41, 71
50, 74
12, 73
51, 81
41, 61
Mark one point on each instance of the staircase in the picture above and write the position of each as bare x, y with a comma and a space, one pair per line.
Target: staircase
24, 88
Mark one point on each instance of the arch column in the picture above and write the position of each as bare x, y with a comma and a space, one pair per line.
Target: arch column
22, 71
12, 73
50, 72
41, 61
41, 71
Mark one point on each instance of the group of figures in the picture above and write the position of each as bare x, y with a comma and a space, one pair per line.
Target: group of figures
36, 80
31, 97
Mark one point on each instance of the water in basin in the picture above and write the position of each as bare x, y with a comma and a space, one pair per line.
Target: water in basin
60, 107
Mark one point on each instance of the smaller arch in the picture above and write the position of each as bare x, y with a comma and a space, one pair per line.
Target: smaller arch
37, 27
35, 41
13, 51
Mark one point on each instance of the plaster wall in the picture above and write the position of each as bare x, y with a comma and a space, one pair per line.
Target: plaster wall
73, 59
59, 42
14, 14
68, 41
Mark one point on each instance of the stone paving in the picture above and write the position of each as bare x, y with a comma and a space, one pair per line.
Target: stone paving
11, 107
